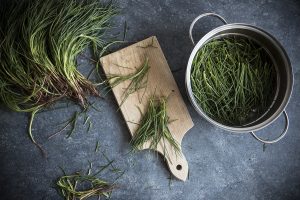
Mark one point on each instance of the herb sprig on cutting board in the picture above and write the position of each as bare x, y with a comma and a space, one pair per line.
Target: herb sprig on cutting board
153, 127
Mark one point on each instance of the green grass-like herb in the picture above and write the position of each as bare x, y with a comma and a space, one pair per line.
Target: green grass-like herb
39, 44
233, 80
85, 185
138, 80
69, 185
154, 127
97, 146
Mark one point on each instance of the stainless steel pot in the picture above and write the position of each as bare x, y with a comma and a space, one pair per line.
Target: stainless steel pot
281, 63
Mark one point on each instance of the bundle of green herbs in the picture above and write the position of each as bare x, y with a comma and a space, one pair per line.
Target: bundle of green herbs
233, 80
40, 42
153, 127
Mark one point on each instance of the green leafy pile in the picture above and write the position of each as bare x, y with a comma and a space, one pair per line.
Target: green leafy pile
39, 43
233, 80
41, 40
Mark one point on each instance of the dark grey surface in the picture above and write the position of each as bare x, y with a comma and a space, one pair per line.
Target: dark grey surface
222, 165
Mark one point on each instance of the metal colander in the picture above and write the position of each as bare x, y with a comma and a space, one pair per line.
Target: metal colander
280, 60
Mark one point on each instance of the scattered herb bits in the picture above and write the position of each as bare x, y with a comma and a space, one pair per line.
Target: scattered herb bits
70, 184
233, 80
83, 186
154, 127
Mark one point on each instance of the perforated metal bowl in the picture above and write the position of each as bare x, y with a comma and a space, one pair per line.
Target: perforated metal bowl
280, 60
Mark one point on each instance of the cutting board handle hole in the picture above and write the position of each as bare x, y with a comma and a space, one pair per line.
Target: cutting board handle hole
178, 167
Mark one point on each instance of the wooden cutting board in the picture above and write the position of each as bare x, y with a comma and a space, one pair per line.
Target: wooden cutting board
161, 82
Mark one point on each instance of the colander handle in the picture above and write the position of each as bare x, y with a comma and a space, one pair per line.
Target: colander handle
281, 135
200, 17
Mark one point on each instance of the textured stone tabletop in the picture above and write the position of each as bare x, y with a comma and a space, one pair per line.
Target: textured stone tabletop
222, 165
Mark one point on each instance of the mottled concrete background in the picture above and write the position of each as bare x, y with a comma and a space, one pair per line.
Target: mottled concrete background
222, 165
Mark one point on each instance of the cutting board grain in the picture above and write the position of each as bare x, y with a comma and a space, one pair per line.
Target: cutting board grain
161, 83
